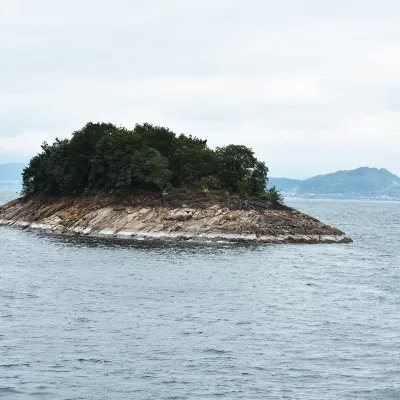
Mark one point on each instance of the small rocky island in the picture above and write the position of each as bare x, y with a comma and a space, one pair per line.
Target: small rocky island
149, 183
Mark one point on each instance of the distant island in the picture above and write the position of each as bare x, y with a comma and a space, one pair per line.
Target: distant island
360, 183
11, 175
152, 183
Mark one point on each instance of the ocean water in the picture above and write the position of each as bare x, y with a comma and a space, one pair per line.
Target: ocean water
90, 319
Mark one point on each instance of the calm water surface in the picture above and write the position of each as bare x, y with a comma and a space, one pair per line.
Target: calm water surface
89, 319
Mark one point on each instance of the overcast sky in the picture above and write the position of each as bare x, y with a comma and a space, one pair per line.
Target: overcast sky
312, 86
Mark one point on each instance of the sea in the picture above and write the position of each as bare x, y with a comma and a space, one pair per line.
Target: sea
82, 318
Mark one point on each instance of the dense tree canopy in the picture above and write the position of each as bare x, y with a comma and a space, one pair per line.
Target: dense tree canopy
104, 158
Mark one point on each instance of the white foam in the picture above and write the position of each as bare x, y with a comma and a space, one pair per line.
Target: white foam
107, 232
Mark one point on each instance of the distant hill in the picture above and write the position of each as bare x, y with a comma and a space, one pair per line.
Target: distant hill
360, 182
10, 174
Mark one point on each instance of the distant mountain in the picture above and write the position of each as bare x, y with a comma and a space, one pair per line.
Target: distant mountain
10, 174
360, 182
284, 184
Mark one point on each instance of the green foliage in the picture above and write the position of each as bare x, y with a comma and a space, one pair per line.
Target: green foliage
259, 177
275, 195
235, 164
244, 187
153, 168
192, 160
103, 158
210, 182
240, 170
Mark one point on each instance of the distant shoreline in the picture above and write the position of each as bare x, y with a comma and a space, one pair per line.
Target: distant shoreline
10, 184
341, 198
363, 183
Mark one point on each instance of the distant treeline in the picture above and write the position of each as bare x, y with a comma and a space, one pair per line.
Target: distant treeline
104, 158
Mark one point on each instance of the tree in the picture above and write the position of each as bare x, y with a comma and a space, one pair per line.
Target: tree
112, 164
49, 172
103, 158
239, 168
259, 177
157, 137
192, 160
154, 168
83, 148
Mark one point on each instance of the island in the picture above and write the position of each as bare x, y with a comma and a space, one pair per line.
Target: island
10, 175
361, 183
150, 183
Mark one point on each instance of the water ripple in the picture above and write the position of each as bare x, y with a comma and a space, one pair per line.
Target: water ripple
89, 319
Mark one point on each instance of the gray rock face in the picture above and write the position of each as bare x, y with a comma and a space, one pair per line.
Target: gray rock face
96, 218
181, 215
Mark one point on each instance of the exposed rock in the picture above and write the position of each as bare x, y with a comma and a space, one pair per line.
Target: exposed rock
102, 217
181, 214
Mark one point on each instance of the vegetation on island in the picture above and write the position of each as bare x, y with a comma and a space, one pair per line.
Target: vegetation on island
102, 158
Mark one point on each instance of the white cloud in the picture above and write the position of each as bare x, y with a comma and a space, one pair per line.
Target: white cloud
25, 144
311, 86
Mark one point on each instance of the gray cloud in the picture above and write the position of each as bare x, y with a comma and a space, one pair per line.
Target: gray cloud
312, 86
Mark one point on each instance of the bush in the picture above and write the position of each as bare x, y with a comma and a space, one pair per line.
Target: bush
210, 182
273, 195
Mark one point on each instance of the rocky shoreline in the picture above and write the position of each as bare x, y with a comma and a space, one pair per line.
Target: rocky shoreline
103, 217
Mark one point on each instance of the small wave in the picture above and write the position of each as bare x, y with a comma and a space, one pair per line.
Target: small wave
9, 390
216, 351
94, 360
14, 365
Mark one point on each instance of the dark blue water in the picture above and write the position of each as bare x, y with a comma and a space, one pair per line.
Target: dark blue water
85, 319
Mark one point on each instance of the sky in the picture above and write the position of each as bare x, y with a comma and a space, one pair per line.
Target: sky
312, 86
